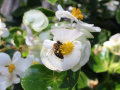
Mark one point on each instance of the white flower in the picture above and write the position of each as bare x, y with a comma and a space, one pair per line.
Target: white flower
113, 44
3, 30
7, 79
36, 20
64, 52
79, 25
16, 65
11, 69
112, 5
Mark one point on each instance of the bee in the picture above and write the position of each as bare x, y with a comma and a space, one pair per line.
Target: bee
56, 50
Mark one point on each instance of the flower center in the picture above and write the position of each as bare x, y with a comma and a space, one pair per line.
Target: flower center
66, 48
77, 13
35, 62
11, 68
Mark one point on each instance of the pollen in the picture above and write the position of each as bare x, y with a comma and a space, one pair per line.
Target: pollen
35, 62
77, 13
11, 68
66, 48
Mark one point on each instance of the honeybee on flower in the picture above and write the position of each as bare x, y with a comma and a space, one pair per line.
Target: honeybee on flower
67, 50
70, 47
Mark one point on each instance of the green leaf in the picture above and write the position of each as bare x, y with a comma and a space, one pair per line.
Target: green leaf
100, 59
82, 80
38, 77
117, 86
118, 15
47, 12
52, 1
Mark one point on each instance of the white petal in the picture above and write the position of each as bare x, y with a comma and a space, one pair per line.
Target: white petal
48, 44
61, 13
20, 67
115, 37
4, 77
3, 85
68, 62
16, 57
4, 71
44, 58
4, 59
108, 44
86, 49
15, 79
86, 33
28, 41
64, 35
29, 60
60, 8
29, 37
5, 32
65, 14
45, 35
89, 27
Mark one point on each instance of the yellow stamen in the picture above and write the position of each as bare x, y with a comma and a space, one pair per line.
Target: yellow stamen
66, 48
77, 13
11, 68
35, 62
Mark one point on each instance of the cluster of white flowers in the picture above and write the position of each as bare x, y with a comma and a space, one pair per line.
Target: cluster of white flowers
12, 70
69, 48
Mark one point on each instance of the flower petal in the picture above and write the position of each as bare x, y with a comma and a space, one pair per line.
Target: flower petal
89, 27
86, 49
3, 85
44, 58
5, 32
64, 35
4, 59
16, 57
45, 35
48, 44
65, 14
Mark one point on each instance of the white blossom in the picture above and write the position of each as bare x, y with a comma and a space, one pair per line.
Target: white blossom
3, 30
75, 54
36, 20
113, 44
112, 5
10, 69
79, 25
